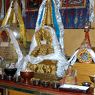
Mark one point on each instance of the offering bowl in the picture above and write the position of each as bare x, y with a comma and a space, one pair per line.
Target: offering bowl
55, 84
10, 72
86, 84
26, 76
36, 82
45, 83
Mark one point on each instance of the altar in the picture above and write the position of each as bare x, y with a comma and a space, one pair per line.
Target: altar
12, 88
47, 44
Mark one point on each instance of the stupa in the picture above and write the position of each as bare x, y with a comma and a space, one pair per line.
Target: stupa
9, 48
46, 56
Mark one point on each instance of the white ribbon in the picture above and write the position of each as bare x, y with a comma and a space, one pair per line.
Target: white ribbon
2, 10
91, 11
23, 7
73, 58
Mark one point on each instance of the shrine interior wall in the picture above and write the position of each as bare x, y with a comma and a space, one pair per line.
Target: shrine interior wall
74, 37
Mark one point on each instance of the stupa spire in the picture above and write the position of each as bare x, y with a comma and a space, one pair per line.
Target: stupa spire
47, 20
14, 16
49, 15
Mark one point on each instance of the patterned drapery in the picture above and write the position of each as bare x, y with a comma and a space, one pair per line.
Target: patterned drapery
75, 15
72, 17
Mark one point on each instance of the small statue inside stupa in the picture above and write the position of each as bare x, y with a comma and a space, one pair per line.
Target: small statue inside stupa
9, 49
4, 37
44, 43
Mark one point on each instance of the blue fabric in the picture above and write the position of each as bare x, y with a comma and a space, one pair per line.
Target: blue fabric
40, 19
30, 19
56, 26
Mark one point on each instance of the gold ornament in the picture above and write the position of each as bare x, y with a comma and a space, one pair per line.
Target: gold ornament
44, 43
84, 56
47, 20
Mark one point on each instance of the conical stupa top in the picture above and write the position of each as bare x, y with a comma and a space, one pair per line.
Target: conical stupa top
49, 15
13, 16
47, 20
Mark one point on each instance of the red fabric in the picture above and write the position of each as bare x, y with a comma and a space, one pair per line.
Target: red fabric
0, 4
87, 38
7, 4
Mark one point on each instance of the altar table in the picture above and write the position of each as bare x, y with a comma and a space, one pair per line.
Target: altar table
13, 88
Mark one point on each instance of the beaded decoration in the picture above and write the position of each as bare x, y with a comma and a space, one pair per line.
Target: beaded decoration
84, 56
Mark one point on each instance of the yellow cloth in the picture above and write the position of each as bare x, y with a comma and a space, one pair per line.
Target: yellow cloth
11, 17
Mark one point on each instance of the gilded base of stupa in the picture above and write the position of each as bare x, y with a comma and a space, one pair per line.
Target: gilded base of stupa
45, 70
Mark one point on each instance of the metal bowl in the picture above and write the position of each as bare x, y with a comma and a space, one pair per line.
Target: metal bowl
45, 83
36, 82
26, 76
55, 85
86, 84
10, 71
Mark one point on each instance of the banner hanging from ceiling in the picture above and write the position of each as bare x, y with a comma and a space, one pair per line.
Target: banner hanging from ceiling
75, 13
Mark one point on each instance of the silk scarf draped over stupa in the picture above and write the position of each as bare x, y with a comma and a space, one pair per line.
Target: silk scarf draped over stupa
15, 45
56, 17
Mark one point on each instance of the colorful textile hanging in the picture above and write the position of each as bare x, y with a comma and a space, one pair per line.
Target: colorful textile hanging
75, 14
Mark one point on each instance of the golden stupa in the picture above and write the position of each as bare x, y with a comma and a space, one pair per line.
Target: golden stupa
46, 44
45, 69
